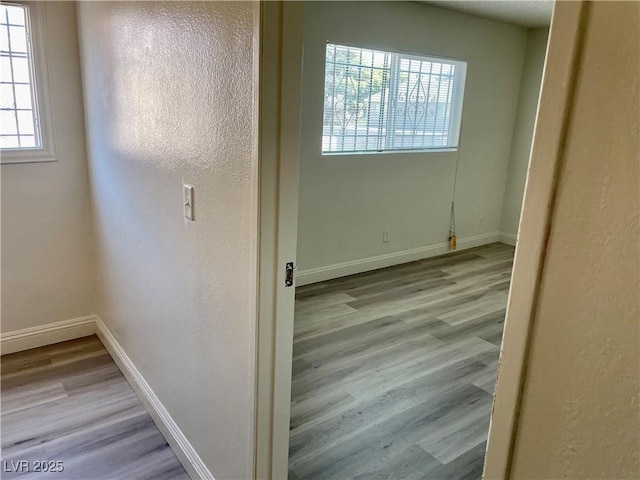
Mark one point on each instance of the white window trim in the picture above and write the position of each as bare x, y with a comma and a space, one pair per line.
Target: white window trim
46, 152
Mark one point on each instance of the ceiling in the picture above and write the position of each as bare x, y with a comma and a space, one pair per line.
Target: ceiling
527, 13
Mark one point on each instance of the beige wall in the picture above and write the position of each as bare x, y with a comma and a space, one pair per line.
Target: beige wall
580, 412
47, 253
169, 99
523, 131
347, 201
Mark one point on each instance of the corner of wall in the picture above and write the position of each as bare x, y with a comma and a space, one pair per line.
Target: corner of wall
523, 130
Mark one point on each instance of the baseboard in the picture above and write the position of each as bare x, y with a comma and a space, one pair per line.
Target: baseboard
183, 449
56, 332
508, 238
48, 334
314, 275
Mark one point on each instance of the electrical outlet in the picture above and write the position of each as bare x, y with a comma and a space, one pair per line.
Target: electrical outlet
481, 221
385, 236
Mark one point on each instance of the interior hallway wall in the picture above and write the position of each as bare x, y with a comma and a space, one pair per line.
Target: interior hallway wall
346, 201
523, 132
169, 94
47, 245
580, 411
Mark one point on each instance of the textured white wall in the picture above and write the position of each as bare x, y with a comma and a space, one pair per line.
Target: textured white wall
580, 412
47, 245
347, 201
169, 99
523, 132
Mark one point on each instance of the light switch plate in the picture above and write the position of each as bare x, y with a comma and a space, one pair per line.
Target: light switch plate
188, 202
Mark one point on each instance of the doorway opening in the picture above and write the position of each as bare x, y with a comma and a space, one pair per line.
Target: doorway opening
323, 382
413, 142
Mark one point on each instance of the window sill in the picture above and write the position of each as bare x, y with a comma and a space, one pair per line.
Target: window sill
36, 155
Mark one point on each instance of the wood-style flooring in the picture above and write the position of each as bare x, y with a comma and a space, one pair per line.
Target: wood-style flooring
68, 402
394, 370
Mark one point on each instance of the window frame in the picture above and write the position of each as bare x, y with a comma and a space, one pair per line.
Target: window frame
46, 152
457, 100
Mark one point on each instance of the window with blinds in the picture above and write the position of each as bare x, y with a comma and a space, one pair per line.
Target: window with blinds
375, 101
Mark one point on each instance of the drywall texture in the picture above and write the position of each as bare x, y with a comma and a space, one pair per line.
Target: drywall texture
347, 201
580, 412
47, 245
169, 100
523, 131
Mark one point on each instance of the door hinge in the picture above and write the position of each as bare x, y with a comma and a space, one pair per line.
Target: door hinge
288, 274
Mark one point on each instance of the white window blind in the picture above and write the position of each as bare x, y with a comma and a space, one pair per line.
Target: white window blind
377, 101
19, 125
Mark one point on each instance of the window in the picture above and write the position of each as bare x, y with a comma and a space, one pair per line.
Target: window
22, 114
376, 101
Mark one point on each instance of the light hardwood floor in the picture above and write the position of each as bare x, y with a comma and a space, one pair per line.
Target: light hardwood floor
69, 402
394, 370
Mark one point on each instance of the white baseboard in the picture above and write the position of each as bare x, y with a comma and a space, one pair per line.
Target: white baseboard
51, 333
185, 452
314, 275
508, 238
48, 334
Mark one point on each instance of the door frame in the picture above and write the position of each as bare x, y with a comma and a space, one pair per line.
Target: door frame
279, 105
279, 97
554, 107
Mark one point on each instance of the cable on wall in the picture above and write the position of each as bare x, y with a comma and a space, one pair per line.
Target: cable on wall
453, 238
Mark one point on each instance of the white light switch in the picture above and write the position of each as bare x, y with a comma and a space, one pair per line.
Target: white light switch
188, 202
